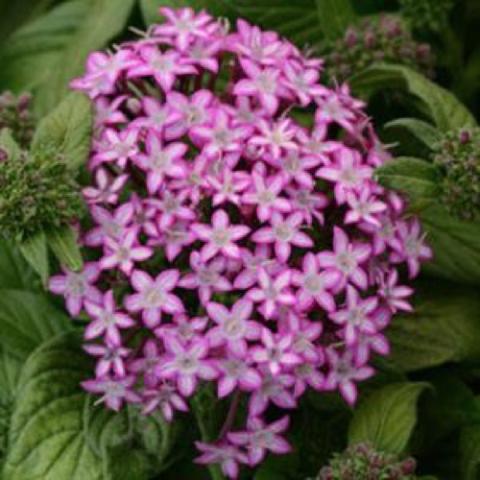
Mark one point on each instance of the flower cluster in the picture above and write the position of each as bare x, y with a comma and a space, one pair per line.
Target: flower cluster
385, 39
233, 244
37, 192
361, 461
15, 115
458, 156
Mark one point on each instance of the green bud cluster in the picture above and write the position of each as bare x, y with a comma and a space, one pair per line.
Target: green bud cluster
37, 192
361, 461
424, 15
15, 115
458, 156
385, 39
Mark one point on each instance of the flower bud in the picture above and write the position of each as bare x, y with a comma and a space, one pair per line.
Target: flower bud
382, 40
427, 15
458, 156
37, 193
15, 115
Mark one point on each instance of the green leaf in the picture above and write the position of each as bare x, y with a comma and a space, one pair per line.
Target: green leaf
443, 328
412, 176
298, 21
9, 372
470, 452
455, 244
446, 111
8, 143
27, 319
47, 440
65, 247
69, 129
37, 46
422, 131
14, 271
35, 252
335, 16
45, 54
105, 19
387, 418
219, 8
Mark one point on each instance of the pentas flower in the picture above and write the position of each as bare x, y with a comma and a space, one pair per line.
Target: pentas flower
241, 247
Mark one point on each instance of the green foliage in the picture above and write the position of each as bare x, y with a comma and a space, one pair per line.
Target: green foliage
28, 319
412, 176
439, 104
55, 46
68, 129
387, 417
421, 130
334, 17
443, 328
219, 8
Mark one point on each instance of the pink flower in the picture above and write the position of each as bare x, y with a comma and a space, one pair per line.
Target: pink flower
107, 319
364, 206
272, 292
276, 352
315, 286
357, 317
275, 389
234, 327
114, 390
226, 455
344, 373
164, 67
275, 138
124, 252
157, 116
183, 26
147, 363
220, 236
166, 399
283, 233
346, 259
160, 161
266, 195
260, 438
236, 372
261, 83
117, 147
206, 277
107, 189
111, 356
77, 287
410, 247
185, 364
154, 296
347, 173
395, 295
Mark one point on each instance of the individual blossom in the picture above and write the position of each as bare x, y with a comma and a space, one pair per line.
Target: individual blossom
226, 455
186, 364
153, 296
344, 373
234, 327
272, 292
357, 316
315, 285
77, 287
107, 320
346, 259
124, 252
107, 189
220, 236
260, 438
166, 399
284, 233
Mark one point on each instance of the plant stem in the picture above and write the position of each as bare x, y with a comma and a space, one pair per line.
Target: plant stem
232, 413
